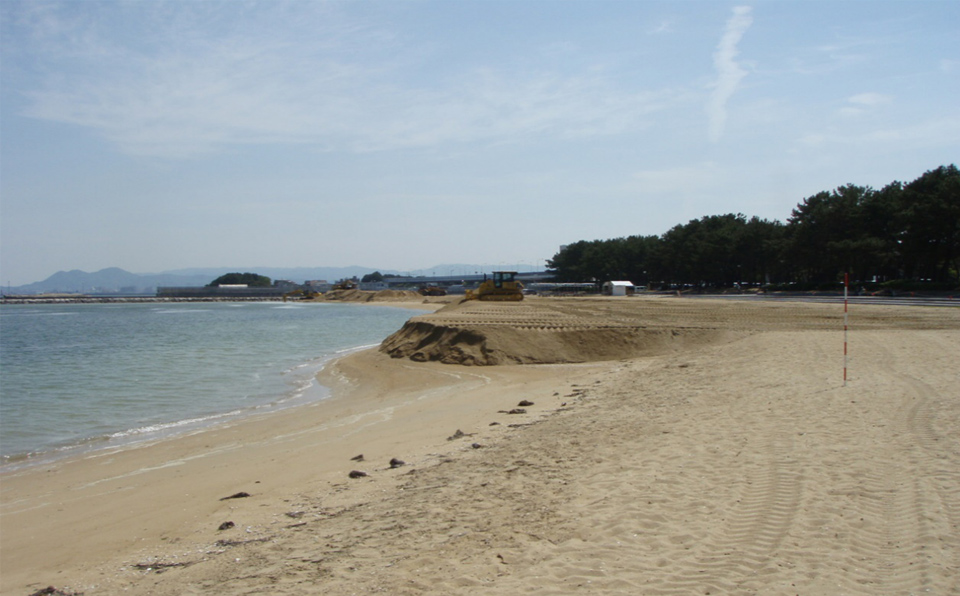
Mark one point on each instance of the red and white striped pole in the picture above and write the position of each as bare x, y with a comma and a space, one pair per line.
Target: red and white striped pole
846, 288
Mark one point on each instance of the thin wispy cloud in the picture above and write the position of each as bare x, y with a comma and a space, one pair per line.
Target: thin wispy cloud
728, 70
863, 103
187, 94
679, 181
192, 113
936, 131
665, 26
869, 99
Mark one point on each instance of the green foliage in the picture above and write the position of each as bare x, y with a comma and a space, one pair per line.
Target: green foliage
251, 279
908, 232
372, 277
604, 260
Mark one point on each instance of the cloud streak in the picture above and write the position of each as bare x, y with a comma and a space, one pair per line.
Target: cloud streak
728, 70
336, 87
191, 113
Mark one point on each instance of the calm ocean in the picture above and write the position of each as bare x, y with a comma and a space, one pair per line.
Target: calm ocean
88, 376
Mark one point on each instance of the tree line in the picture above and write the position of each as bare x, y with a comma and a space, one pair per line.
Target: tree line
252, 280
904, 234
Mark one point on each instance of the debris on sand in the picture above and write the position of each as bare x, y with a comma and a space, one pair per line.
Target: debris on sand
357, 457
51, 591
231, 543
240, 495
226, 526
396, 463
357, 474
161, 567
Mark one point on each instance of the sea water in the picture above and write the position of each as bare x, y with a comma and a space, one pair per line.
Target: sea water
76, 377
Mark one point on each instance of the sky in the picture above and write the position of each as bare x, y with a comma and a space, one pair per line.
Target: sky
403, 134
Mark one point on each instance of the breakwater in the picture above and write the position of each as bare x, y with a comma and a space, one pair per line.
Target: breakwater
131, 299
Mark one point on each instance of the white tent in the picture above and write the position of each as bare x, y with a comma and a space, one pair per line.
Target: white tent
618, 288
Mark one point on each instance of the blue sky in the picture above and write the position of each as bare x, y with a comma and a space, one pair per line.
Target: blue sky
403, 134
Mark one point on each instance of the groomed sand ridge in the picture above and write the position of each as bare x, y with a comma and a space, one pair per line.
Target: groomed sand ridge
551, 331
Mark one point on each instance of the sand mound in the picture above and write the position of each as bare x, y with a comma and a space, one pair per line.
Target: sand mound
484, 333
547, 331
368, 296
423, 341
347, 296
395, 295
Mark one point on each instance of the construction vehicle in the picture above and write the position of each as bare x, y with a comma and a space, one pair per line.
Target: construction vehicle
503, 287
432, 291
346, 284
301, 295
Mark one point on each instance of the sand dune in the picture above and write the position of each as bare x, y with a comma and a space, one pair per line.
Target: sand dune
727, 458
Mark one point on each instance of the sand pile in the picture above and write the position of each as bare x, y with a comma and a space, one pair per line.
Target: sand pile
368, 296
425, 340
395, 295
543, 332
557, 331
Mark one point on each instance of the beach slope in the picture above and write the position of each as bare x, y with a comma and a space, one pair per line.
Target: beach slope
667, 446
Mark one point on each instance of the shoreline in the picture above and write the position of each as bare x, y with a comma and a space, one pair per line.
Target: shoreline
130, 501
171, 431
124, 437
398, 297
739, 466
129, 299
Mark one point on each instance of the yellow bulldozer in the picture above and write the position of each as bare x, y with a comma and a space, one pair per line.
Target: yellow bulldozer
502, 287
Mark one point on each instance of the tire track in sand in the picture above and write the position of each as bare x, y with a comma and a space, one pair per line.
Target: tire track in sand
742, 556
901, 493
934, 460
757, 482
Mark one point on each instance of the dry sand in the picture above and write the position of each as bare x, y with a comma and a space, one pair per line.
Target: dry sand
679, 447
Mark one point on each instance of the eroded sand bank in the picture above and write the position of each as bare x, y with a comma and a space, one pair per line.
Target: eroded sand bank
723, 458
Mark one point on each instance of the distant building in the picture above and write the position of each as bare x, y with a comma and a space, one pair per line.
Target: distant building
285, 284
373, 286
318, 285
619, 288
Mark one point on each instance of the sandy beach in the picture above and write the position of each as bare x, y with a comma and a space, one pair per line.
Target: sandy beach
665, 446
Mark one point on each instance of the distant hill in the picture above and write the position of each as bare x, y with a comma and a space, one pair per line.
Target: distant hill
297, 274
106, 281
114, 280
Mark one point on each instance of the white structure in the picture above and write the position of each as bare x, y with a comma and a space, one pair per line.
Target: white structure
618, 288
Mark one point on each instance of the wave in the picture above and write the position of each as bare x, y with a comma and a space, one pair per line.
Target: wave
129, 377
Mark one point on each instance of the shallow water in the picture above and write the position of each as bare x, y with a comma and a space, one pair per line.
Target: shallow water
85, 376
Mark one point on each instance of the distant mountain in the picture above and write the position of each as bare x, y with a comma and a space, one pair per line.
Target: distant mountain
114, 280
111, 277
106, 281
